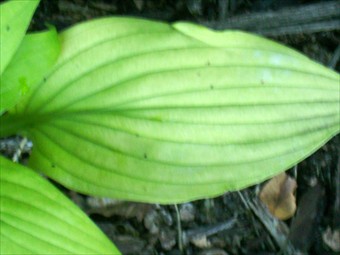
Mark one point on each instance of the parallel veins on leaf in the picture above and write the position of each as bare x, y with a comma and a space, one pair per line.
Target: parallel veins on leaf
214, 111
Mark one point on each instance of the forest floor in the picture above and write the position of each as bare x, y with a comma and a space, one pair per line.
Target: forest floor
236, 222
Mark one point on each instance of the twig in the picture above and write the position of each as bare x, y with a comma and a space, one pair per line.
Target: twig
243, 200
179, 229
275, 228
18, 152
335, 58
295, 168
210, 230
311, 18
302, 28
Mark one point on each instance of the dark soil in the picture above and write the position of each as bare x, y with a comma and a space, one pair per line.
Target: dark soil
228, 224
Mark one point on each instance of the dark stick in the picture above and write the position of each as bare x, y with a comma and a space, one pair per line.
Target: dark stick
311, 18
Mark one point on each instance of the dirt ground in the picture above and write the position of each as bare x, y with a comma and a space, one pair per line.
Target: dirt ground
236, 222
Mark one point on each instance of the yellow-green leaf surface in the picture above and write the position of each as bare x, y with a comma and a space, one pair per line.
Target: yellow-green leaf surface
147, 111
15, 16
34, 58
36, 218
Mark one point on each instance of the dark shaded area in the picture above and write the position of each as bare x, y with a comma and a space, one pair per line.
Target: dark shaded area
234, 223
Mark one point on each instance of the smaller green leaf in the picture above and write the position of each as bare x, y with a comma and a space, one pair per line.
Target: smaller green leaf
36, 218
35, 56
15, 18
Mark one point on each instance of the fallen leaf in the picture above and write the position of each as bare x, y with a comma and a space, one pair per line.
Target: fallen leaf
216, 251
332, 239
109, 207
201, 242
278, 195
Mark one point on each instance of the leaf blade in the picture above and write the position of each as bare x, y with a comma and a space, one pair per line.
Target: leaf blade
37, 219
161, 121
15, 18
33, 59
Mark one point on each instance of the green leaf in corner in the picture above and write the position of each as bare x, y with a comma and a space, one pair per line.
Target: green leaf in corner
147, 111
34, 58
15, 19
36, 218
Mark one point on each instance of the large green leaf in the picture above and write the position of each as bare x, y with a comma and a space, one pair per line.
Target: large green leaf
36, 218
15, 17
147, 111
34, 58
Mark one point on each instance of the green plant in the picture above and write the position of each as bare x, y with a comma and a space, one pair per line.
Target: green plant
146, 111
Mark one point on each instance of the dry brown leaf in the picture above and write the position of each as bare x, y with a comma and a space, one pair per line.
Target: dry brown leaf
278, 195
332, 239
